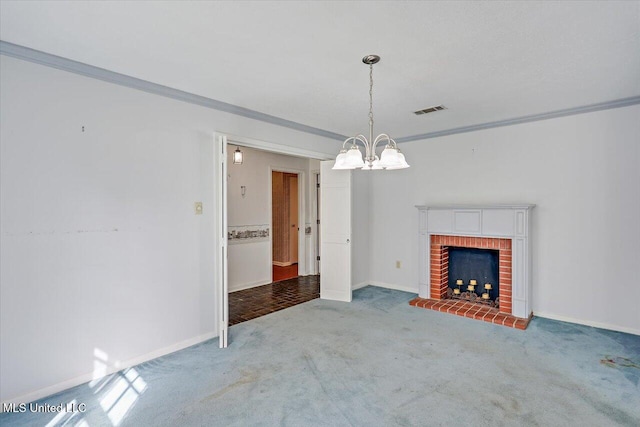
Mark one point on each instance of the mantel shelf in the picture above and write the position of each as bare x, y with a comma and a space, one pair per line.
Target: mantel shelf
526, 206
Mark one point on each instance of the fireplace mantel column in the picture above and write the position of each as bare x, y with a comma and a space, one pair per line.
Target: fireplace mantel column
501, 221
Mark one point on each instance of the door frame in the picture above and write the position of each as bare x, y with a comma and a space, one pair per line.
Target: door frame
222, 291
220, 143
302, 265
314, 262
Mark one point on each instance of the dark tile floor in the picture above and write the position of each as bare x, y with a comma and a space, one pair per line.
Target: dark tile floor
255, 302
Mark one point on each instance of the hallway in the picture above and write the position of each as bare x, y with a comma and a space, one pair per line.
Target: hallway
255, 302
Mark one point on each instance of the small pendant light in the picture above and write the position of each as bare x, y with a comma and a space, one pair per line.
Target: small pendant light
237, 156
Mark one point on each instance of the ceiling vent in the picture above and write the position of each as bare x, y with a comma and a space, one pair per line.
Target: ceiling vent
430, 110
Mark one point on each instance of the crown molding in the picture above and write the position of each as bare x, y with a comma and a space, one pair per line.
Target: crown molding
54, 61
617, 103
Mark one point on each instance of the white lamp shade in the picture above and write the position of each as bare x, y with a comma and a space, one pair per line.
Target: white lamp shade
353, 159
389, 157
401, 164
340, 161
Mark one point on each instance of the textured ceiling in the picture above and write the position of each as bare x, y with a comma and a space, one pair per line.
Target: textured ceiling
301, 61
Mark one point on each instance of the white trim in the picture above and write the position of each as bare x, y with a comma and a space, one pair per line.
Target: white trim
481, 207
82, 379
220, 239
359, 285
335, 295
65, 64
587, 323
277, 148
395, 287
607, 105
313, 267
250, 285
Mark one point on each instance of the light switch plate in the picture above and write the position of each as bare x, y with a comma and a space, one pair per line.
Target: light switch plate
198, 208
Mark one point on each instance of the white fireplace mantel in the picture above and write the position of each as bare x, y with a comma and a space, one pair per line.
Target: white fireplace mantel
497, 221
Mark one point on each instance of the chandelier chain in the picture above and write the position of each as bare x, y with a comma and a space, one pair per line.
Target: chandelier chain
371, 93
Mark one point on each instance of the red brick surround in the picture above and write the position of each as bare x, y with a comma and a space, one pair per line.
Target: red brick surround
440, 245
440, 264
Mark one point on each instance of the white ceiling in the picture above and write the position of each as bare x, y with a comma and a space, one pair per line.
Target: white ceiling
301, 61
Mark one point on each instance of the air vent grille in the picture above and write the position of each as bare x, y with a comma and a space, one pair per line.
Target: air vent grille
430, 110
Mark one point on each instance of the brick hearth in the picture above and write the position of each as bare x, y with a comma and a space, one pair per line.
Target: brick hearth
471, 310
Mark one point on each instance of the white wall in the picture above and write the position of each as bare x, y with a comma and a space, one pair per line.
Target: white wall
582, 172
100, 247
250, 262
360, 228
70, 283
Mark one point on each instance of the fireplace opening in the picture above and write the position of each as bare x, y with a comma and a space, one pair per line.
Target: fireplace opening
472, 273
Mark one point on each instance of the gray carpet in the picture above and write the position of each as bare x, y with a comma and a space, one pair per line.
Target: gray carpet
374, 362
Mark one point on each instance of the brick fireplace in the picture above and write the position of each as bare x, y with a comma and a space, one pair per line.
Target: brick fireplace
439, 264
501, 228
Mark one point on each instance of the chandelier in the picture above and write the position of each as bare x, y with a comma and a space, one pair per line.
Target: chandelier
350, 156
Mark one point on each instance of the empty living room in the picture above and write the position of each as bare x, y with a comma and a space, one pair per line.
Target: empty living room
460, 218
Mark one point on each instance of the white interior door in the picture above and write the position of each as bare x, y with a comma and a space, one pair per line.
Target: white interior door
221, 263
335, 238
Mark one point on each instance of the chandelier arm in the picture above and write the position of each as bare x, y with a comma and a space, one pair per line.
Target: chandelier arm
346, 141
354, 139
360, 137
365, 142
382, 137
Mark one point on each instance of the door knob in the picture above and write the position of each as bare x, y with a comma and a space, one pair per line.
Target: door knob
348, 240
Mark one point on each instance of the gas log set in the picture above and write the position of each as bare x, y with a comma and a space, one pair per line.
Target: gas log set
471, 295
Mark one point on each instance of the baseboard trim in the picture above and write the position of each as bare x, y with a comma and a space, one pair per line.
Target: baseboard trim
67, 384
249, 285
395, 287
335, 295
587, 323
283, 264
359, 285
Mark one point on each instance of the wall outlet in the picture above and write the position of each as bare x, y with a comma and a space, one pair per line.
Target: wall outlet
197, 206
398, 264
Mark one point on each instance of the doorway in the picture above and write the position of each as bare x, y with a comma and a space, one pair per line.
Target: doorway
244, 229
286, 227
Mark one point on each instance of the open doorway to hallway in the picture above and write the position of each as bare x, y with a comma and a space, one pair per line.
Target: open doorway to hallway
284, 217
272, 250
